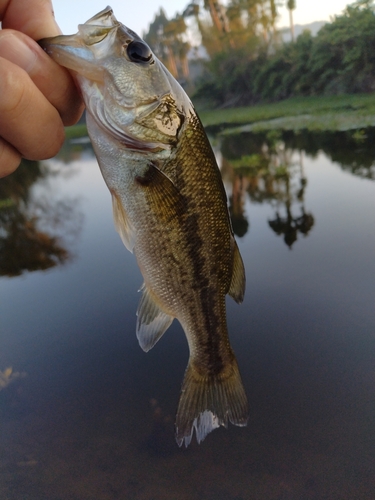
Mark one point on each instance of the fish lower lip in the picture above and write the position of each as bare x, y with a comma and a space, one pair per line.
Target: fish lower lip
61, 40
70, 53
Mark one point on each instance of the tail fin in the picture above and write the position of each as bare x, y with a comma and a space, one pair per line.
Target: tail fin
208, 402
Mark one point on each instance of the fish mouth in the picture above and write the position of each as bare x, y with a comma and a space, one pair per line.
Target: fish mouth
103, 18
74, 51
97, 54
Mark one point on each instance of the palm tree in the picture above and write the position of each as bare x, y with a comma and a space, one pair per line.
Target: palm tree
291, 5
218, 15
178, 48
273, 18
166, 39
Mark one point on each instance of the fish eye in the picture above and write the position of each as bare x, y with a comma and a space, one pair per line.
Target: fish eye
139, 52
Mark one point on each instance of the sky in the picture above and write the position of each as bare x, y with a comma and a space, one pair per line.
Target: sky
138, 14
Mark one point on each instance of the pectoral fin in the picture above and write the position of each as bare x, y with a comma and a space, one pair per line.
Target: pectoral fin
122, 223
152, 321
161, 192
238, 283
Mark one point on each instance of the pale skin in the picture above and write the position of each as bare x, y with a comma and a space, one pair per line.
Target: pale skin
37, 96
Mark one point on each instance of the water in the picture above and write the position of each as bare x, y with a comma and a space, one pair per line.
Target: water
86, 414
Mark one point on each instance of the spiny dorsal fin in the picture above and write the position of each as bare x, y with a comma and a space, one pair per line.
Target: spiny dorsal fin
238, 283
122, 223
152, 321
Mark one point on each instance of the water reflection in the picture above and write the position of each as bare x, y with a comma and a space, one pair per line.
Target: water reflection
269, 172
35, 228
353, 150
94, 412
8, 375
75, 149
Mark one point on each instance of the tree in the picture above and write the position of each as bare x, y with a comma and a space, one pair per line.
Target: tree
166, 38
177, 47
342, 56
291, 5
155, 35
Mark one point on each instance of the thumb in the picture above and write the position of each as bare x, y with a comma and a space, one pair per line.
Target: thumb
35, 18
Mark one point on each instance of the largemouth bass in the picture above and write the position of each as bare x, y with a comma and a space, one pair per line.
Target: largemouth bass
169, 207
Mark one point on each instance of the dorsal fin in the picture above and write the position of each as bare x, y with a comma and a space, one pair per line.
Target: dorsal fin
238, 283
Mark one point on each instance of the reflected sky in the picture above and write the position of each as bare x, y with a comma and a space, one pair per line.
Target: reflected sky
85, 413
36, 225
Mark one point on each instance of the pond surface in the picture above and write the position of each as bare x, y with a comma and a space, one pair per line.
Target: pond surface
85, 414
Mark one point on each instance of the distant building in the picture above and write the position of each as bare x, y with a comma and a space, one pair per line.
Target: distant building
300, 28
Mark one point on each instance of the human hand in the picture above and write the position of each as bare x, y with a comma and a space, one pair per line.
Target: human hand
37, 96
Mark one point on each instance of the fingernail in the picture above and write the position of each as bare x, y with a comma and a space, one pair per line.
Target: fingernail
17, 52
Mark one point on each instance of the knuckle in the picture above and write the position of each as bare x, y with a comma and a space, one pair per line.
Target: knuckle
14, 93
71, 117
29, 122
69, 103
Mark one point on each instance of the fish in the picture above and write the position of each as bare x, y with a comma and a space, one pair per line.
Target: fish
170, 209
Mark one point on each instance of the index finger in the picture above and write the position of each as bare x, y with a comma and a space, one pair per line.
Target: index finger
15, 14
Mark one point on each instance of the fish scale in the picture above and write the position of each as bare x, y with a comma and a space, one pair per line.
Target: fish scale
170, 209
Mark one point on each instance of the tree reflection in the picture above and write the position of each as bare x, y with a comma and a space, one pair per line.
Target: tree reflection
292, 192
264, 166
31, 226
289, 226
353, 150
267, 171
237, 206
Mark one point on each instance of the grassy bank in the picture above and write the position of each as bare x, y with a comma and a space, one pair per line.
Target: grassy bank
76, 131
345, 112
313, 113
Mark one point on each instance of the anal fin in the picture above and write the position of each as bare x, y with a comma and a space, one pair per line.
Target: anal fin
238, 283
152, 321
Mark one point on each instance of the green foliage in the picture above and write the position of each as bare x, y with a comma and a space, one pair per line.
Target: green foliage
342, 58
76, 131
339, 60
235, 86
286, 73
